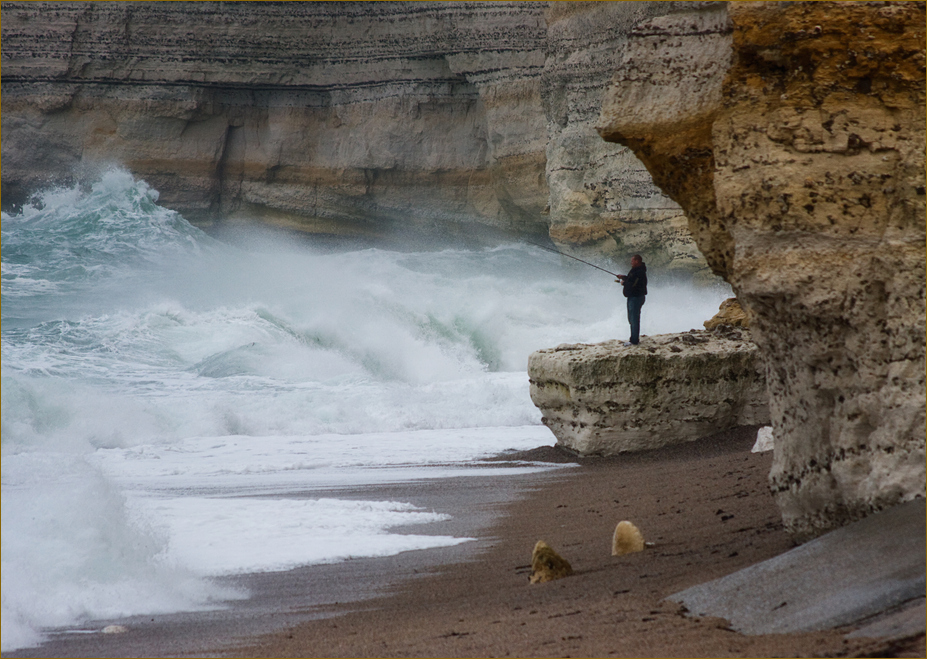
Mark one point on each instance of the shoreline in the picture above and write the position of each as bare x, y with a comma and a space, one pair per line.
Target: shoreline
279, 600
705, 506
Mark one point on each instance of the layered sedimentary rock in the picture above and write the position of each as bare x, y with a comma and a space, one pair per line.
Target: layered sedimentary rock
364, 118
606, 398
662, 104
602, 200
799, 161
330, 117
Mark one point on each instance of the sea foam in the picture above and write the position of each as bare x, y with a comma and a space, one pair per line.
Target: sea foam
155, 380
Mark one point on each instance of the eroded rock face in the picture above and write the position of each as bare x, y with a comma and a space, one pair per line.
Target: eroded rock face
801, 168
378, 119
662, 103
340, 118
606, 398
729, 313
602, 200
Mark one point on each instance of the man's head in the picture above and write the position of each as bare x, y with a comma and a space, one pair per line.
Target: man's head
636, 260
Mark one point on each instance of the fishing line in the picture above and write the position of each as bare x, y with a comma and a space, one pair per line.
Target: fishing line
511, 235
575, 258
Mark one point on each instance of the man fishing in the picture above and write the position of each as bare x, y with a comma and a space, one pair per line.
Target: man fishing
635, 289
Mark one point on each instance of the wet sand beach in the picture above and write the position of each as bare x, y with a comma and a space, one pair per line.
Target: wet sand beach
705, 506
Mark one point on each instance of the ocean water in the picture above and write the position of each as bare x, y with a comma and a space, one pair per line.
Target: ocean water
165, 394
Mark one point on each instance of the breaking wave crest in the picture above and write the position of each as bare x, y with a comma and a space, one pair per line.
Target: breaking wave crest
124, 326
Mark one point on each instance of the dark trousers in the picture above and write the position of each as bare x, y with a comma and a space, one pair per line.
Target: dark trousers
634, 317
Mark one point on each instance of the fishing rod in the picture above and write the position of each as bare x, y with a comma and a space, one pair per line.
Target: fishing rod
575, 258
511, 235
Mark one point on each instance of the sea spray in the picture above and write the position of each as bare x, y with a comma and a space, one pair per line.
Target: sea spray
154, 378
72, 550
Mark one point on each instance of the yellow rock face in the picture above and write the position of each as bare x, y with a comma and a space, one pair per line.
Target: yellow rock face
548, 565
729, 313
800, 163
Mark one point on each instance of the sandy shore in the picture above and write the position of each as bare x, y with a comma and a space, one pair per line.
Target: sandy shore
706, 507
281, 599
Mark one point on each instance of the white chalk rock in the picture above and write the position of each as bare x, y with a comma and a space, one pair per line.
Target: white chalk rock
764, 440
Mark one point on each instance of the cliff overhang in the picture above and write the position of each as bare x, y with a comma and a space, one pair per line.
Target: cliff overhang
800, 164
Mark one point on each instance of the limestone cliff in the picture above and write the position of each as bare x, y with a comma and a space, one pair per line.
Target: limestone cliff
799, 161
602, 200
607, 398
329, 117
340, 118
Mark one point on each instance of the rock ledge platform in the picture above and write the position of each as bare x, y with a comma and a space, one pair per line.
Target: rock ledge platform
608, 398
